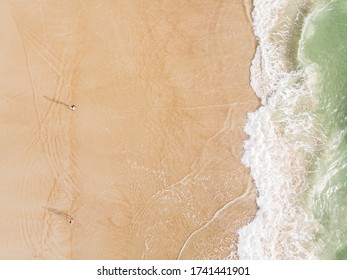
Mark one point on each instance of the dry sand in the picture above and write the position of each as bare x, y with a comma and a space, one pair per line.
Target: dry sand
149, 163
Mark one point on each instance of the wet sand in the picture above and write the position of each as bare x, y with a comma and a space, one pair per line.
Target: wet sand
149, 163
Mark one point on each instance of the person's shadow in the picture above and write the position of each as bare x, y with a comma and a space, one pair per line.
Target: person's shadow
56, 101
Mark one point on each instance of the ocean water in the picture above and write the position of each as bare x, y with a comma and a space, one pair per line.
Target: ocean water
297, 146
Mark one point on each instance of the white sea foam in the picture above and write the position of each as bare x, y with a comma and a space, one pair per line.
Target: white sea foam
283, 135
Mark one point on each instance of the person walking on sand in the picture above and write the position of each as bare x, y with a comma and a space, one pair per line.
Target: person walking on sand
72, 107
71, 218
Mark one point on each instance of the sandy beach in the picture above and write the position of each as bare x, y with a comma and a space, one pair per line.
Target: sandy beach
148, 166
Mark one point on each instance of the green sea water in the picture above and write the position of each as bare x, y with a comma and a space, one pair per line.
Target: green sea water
297, 146
324, 45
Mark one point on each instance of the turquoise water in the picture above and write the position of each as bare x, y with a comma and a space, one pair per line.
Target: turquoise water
297, 145
326, 47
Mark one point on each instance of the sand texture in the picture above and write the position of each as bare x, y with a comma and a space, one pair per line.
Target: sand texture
148, 165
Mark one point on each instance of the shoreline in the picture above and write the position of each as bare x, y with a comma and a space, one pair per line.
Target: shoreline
283, 139
149, 163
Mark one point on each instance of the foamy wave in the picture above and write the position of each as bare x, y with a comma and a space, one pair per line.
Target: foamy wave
283, 135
